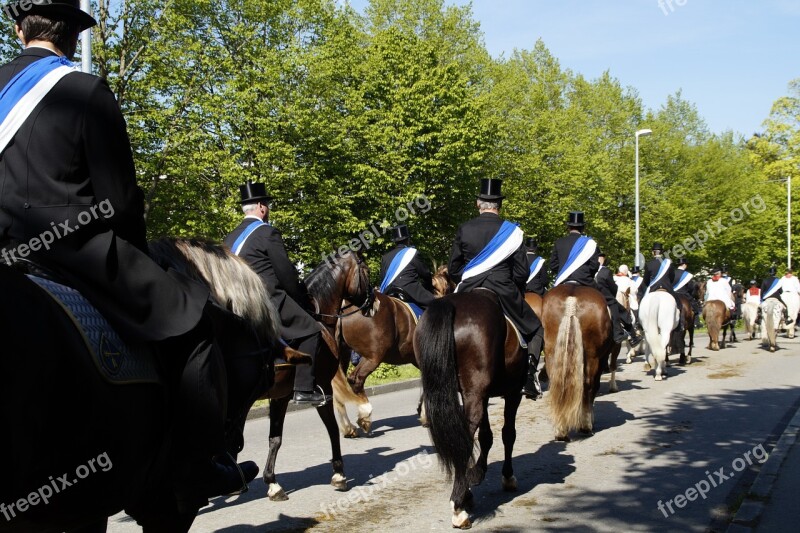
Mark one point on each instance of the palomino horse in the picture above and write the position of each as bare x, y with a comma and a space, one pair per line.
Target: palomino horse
659, 316
771, 314
465, 345
578, 340
717, 317
105, 406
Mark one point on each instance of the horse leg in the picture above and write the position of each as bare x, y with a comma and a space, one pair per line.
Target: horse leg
461, 495
691, 344
342, 391
512, 402
423, 415
277, 416
477, 472
591, 385
338, 481
612, 382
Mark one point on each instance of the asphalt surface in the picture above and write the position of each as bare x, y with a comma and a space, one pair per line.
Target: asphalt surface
694, 442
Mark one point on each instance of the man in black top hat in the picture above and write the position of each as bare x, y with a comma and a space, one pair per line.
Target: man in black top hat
686, 286
69, 154
406, 272
665, 281
506, 278
771, 288
537, 270
261, 245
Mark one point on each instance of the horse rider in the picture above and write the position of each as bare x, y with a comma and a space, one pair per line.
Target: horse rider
753, 294
66, 154
625, 283
402, 268
659, 275
608, 288
575, 260
737, 290
537, 272
488, 252
685, 285
790, 284
717, 288
772, 287
261, 246
637, 279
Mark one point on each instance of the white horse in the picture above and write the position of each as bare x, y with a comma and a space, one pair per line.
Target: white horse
749, 314
659, 315
792, 301
772, 314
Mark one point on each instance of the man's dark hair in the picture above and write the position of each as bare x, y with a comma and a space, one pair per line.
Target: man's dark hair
59, 32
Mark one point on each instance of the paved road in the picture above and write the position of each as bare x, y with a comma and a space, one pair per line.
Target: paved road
655, 441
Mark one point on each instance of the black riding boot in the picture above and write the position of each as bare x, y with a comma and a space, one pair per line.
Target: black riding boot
758, 316
532, 388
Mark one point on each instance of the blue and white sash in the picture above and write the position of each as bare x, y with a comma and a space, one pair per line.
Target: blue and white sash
536, 266
684, 279
506, 241
583, 250
776, 284
662, 270
399, 262
240, 240
23, 93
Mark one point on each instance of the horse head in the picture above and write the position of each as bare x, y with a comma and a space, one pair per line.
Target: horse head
343, 276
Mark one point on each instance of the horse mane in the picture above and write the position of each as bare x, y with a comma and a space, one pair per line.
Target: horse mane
233, 284
321, 283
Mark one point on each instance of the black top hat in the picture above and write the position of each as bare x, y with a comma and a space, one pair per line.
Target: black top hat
724, 267
69, 10
636, 269
491, 189
575, 218
716, 269
772, 271
657, 246
253, 192
400, 233
683, 261
531, 243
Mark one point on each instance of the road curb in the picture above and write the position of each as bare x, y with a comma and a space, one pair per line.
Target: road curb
749, 513
259, 412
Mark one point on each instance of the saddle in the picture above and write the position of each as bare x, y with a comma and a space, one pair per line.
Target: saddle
399, 295
522, 343
117, 362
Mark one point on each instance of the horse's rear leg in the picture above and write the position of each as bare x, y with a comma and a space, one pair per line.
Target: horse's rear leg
461, 497
277, 416
477, 472
509, 438
338, 481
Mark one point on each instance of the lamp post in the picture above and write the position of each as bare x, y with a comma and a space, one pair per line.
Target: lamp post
86, 41
788, 181
638, 134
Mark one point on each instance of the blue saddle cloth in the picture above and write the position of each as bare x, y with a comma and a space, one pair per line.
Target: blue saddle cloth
117, 362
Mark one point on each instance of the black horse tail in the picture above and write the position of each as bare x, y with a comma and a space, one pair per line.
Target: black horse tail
437, 361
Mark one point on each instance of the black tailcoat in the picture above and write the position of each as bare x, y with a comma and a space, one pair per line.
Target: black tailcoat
415, 278
767, 284
71, 155
651, 271
538, 283
265, 252
584, 274
506, 279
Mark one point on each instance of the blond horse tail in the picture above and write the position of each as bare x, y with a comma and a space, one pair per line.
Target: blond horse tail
565, 369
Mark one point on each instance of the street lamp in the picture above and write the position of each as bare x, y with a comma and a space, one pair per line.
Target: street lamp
638, 134
788, 181
86, 40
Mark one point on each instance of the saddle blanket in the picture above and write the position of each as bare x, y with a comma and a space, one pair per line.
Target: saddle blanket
416, 311
522, 343
117, 362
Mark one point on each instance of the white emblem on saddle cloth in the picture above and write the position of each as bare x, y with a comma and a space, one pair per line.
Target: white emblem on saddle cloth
117, 362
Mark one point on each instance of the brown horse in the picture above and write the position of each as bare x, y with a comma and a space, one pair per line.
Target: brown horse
688, 327
578, 337
717, 317
465, 345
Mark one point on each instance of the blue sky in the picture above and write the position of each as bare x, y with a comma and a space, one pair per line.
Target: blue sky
731, 58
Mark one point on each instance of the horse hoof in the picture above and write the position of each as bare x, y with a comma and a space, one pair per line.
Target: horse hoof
659, 377
461, 520
510, 484
562, 438
275, 493
339, 482
647, 367
689, 360
613, 388
365, 424
586, 431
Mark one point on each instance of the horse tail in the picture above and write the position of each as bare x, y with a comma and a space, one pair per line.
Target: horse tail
437, 361
566, 371
233, 284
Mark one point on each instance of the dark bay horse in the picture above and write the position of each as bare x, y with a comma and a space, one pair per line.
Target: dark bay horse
578, 344
717, 317
688, 327
467, 350
87, 440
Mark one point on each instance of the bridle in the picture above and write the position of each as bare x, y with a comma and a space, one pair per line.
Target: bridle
363, 281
